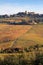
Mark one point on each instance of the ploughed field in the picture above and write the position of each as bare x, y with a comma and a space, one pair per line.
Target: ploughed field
20, 35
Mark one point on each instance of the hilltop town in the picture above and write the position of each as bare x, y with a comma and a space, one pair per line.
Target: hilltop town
22, 18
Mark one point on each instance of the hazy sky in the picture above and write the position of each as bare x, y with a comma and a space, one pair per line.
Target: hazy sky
14, 6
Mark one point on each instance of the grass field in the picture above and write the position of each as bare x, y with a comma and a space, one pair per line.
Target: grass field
35, 34
20, 35
9, 33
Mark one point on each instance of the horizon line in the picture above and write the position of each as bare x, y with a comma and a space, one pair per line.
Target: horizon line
21, 11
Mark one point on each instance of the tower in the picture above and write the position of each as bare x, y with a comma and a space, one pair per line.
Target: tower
26, 12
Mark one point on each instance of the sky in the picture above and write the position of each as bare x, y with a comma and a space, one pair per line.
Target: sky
14, 6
